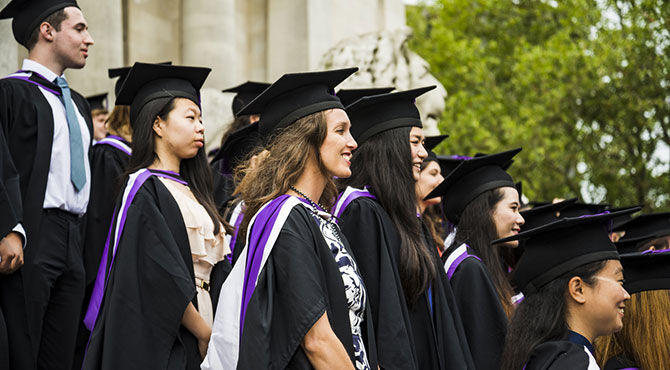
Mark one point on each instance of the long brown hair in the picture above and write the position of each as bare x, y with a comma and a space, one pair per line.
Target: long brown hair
281, 168
645, 336
118, 122
432, 217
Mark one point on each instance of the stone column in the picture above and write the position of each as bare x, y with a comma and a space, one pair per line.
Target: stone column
153, 31
9, 58
287, 37
105, 24
209, 36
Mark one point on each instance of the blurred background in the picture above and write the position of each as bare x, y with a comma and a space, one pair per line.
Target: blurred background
583, 86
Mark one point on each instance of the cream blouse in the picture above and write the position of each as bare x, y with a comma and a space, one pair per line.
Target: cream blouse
206, 248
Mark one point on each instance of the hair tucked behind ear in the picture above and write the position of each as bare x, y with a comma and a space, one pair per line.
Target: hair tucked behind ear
194, 170
281, 168
540, 317
384, 163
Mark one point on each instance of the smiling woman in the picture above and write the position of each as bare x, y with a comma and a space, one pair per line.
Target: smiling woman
303, 304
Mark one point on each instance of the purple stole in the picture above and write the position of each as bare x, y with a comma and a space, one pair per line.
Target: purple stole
455, 259
33, 77
133, 185
237, 289
349, 195
115, 142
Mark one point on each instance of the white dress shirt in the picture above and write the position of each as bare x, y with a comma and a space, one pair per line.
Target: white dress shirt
60, 192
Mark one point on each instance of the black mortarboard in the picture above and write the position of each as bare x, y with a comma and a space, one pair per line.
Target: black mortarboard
544, 214
98, 101
296, 95
580, 209
449, 163
430, 143
28, 14
371, 115
648, 270
147, 82
122, 73
470, 179
238, 145
561, 246
642, 229
246, 93
620, 220
350, 96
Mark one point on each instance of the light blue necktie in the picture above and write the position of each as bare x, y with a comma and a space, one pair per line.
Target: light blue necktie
77, 170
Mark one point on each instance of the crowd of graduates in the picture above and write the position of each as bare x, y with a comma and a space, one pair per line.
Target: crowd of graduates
323, 233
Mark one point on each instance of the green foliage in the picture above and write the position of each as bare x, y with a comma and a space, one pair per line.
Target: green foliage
583, 86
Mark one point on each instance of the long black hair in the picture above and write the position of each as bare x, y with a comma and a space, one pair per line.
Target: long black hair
541, 317
477, 229
194, 170
384, 164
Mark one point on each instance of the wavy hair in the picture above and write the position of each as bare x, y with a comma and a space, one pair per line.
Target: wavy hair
645, 335
282, 166
194, 170
541, 317
118, 122
384, 164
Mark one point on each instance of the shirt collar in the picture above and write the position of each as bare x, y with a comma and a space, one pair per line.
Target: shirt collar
577, 338
31, 65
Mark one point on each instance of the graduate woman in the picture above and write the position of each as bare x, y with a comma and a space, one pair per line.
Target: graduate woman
572, 280
643, 341
430, 177
295, 298
481, 199
415, 319
166, 235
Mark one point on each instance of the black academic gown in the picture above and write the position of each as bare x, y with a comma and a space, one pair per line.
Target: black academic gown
108, 165
559, 355
407, 338
10, 216
149, 287
482, 313
224, 185
620, 363
299, 282
28, 127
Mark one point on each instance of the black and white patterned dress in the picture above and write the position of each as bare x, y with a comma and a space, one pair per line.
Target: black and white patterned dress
353, 283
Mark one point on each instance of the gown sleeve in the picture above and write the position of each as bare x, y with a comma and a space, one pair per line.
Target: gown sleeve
374, 242
290, 296
483, 317
148, 290
10, 193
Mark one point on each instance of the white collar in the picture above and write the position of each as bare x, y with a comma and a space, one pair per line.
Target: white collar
31, 65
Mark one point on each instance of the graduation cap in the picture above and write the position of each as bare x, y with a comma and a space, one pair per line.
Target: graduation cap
642, 229
296, 95
561, 246
98, 101
449, 163
649, 270
350, 96
544, 214
237, 146
147, 82
122, 73
580, 209
430, 143
623, 219
245, 93
470, 179
28, 14
374, 114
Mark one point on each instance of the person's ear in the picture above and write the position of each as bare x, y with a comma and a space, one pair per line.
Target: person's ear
576, 290
159, 127
47, 31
